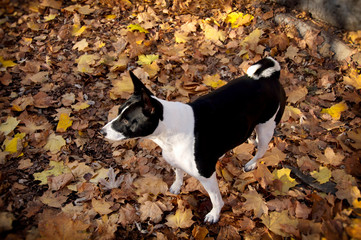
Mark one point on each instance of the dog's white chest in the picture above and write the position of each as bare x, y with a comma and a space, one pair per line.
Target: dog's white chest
175, 135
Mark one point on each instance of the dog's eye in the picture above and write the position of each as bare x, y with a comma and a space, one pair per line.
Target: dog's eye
125, 121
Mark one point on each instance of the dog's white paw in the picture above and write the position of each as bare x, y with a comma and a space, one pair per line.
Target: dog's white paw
249, 166
175, 188
212, 216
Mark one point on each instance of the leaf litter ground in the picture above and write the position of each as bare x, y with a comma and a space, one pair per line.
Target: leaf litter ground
64, 74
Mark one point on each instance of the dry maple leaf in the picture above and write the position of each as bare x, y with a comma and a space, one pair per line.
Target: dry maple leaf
152, 210
9, 125
33, 123
181, 219
255, 202
112, 181
51, 199
54, 143
127, 215
61, 226
150, 184
101, 206
323, 175
330, 157
277, 221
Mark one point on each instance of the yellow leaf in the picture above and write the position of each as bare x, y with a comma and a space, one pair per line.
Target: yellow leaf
50, 17
6, 63
287, 181
147, 59
181, 219
81, 45
120, 86
80, 106
54, 143
77, 30
277, 221
238, 19
151, 69
181, 37
64, 122
55, 169
251, 41
335, 110
137, 27
110, 16
213, 34
8, 126
101, 206
214, 81
84, 62
11, 145
323, 175
354, 229
354, 79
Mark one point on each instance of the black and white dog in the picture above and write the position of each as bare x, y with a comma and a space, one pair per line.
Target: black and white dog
193, 136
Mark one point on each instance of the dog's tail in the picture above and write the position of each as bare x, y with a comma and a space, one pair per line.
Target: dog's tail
264, 68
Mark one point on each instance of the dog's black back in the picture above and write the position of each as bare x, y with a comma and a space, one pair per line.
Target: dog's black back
226, 117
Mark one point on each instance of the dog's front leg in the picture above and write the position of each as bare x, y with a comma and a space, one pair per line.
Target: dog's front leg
176, 186
211, 186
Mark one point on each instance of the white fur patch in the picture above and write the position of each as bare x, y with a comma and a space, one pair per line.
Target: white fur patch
251, 71
111, 134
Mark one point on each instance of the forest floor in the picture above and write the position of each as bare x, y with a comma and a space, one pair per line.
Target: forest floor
64, 73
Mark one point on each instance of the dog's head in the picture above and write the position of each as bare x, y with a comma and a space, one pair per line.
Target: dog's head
139, 116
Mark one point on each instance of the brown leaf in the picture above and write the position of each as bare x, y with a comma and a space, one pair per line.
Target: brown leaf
152, 210
255, 202
42, 100
127, 215
60, 226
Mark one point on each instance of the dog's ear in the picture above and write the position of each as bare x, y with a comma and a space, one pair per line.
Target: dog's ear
148, 106
138, 85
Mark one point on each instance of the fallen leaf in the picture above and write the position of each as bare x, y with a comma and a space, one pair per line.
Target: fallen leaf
255, 202
147, 59
56, 169
152, 210
297, 94
323, 175
199, 233
213, 34
101, 206
354, 229
276, 221
137, 27
330, 157
64, 122
181, 219
287, 181
80, 106
238, 19
61, 226
181, 37
53, 199
81, 45
335, 110
354, 79
54, 143
77, 30
150, 184
214, 81
6, 63
6, 221
112, 182
9, 125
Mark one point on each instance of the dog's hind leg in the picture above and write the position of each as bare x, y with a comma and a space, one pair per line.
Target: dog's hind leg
264, 134
176, 186
211, 186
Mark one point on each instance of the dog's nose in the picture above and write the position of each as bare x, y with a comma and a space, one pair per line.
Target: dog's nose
103, 132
